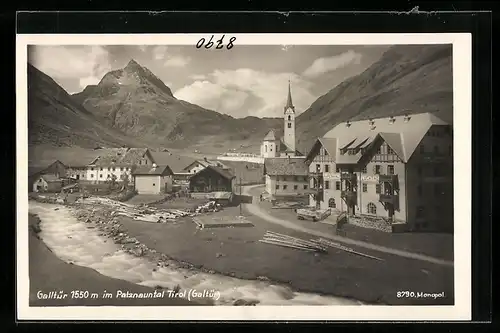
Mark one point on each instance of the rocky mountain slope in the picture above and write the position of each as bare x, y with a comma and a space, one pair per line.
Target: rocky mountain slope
55, 119
406, 79
135, 101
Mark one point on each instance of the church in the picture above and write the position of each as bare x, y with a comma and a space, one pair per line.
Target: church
273, 146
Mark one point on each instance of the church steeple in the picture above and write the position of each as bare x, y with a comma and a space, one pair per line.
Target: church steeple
289, 104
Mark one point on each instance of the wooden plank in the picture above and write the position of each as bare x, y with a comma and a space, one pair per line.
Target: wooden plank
347, 249
312, 245
274, 239
285, 245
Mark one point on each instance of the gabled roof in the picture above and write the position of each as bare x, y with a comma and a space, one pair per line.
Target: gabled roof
109, 156
176, 162
224, 173
285, 149
149, 170
50, 178
402, 136
39, 169
271, 136
285, 167
133, 155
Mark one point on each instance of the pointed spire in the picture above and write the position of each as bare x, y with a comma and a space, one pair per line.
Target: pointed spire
289, 104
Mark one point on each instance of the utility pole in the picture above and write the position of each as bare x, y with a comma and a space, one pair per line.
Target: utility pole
240, 196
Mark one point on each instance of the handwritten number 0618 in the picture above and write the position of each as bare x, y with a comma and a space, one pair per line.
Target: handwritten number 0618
219, 43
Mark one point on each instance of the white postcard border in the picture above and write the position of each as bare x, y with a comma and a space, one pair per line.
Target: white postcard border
462, 100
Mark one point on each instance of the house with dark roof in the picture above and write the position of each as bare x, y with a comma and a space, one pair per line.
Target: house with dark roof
286, 178
398, 169
199, 165
177, 164
154, 179
212, 179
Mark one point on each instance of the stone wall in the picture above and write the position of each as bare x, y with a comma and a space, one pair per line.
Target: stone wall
371, 222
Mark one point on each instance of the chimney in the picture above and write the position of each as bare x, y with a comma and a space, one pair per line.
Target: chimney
348, 124
392, 120
154, 165
407, 118
206, 160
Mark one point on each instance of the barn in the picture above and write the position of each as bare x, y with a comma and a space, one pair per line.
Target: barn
212, 179
153, 179
47, 183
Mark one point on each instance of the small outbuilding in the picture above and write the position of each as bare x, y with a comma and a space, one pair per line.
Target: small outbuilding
152, 179
47, 183
212, 179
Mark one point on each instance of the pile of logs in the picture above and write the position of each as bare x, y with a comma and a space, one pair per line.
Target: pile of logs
274, 238
313, 245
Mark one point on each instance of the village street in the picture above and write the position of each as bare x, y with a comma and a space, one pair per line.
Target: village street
256, 210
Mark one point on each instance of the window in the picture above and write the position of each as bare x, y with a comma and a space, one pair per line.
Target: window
91, 169
318, 167
100, 176
365, 187
371, 208
327, 185
102, 169
390, 151
92, 176
377, 169
326, 152
289, 125
114, 169
305, 187
337, 169
352, 151
289, 118
265, 147
436, 150
422, 149
337, 186
327, 168
295, 187
379, 150
377, 188
331, 203
154, 184
285, 187
420, 212
419, 190
270, 148
277, 187
121, 169
390, 169
364, 170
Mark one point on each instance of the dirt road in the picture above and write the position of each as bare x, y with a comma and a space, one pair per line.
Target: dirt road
254, 209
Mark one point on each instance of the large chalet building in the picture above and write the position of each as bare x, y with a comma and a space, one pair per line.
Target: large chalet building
398, 168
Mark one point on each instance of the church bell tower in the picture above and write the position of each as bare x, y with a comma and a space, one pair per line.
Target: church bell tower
289, 118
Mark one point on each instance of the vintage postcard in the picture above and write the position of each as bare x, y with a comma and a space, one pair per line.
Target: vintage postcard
244, 177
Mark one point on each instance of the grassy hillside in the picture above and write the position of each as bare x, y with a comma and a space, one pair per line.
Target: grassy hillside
407, 79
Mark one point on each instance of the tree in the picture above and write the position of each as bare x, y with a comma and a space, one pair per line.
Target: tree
111, 181
125, 180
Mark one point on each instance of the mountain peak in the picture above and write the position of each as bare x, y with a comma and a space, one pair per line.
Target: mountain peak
133, 64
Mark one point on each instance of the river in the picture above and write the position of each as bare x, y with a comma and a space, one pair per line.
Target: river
73, 241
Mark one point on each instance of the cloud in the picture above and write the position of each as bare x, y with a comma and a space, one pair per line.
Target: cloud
249, 92
212, 96
87, 63
159, 52
324, 65
198, 77
177, 61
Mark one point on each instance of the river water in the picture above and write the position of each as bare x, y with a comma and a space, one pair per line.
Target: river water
72, 241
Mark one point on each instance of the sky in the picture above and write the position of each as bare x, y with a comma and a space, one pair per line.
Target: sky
244, 81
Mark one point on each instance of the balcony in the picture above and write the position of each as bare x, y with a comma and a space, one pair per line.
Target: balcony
389, 198
393, 179
351, 177
350, 197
